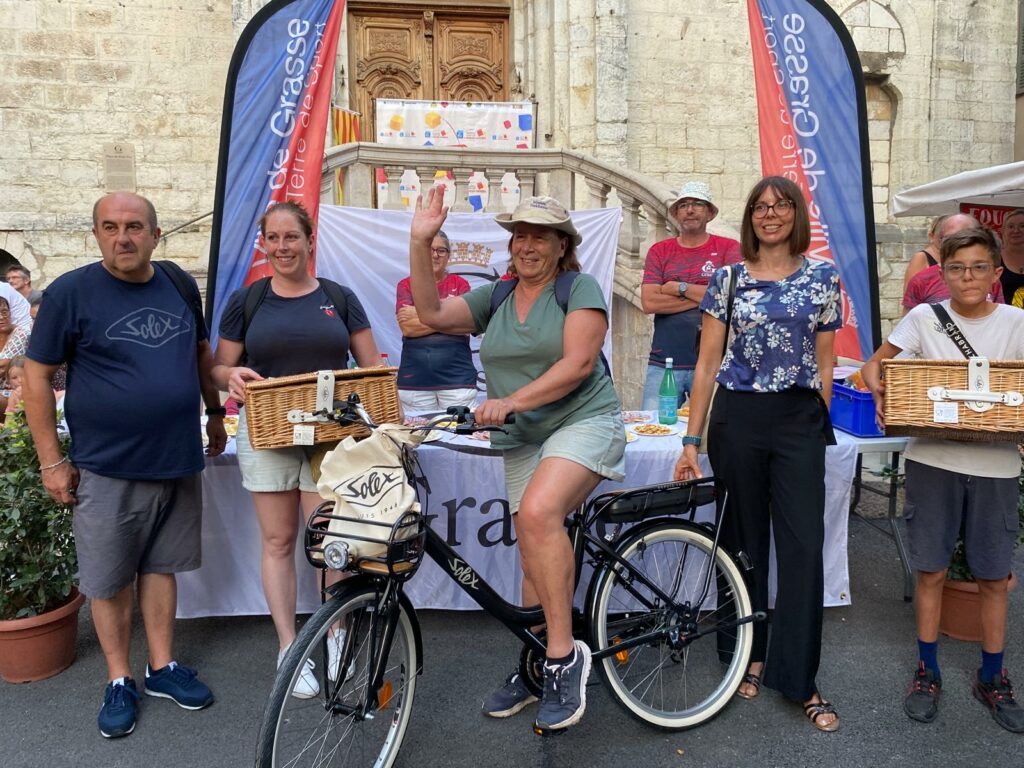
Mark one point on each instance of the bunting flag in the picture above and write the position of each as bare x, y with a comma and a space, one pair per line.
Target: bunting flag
812, 123
276, 107
346, 131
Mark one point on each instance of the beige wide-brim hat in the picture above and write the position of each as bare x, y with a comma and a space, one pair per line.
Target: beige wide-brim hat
694, 190
542, 210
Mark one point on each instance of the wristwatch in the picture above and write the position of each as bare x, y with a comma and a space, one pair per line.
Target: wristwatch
218, 411
691, 440
682, 289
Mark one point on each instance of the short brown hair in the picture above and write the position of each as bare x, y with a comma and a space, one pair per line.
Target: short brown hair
965, 238
799, 238
295, 209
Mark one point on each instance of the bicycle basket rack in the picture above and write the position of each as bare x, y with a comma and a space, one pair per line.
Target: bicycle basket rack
400, 544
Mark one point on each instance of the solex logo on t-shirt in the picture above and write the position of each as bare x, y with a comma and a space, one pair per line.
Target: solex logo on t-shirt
148, 326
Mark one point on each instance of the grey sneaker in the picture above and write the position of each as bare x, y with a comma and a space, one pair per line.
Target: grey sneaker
509, 699
565, 692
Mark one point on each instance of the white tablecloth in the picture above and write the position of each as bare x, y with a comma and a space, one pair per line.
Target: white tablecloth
467, 507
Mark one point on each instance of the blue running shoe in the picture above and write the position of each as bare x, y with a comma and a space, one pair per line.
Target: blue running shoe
565, 692
117, 715
179, 684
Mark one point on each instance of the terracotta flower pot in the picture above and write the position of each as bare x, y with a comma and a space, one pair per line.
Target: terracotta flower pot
40, 646
961, 609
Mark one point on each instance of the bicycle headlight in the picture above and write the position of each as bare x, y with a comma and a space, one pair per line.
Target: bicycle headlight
336, 555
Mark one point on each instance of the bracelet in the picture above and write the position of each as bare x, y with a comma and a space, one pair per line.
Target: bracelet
691, 440
219, 410
54, 465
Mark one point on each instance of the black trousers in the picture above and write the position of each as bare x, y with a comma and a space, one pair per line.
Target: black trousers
769, 450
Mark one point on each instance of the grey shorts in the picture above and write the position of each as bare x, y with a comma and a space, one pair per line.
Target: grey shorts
127, 527
274, 469
938, 500
597, 443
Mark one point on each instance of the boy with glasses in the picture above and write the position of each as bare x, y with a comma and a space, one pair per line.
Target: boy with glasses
950, 483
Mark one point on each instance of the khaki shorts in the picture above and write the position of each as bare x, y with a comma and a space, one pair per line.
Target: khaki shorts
273, 469
597, 443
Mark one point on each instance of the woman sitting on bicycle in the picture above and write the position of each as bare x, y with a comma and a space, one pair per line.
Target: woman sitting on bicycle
295, 329
541, 363
769, 426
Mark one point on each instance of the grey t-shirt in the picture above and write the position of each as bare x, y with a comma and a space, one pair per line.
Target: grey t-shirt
514, 354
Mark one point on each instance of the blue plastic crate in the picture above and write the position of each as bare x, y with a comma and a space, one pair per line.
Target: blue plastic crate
853, 411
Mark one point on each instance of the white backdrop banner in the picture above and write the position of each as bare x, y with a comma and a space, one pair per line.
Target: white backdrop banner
368, 251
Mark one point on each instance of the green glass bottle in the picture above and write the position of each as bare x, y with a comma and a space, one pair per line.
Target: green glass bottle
668, 396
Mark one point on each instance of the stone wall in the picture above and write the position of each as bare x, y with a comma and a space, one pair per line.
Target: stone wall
78, 75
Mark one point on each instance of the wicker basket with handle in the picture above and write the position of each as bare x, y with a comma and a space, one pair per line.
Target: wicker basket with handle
910, 411
268, 402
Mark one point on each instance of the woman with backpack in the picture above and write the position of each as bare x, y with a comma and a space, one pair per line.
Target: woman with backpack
542, 364
287, 324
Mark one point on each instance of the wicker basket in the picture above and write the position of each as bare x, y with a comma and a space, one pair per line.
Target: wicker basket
268, 402
909, 411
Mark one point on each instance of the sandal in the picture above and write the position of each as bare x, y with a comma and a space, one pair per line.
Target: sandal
749, 679
815, 709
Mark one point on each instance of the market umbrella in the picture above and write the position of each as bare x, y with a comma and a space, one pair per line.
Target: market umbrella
998, 185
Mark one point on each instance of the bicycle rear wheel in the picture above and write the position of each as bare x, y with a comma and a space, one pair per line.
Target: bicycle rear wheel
336, 727
671, 687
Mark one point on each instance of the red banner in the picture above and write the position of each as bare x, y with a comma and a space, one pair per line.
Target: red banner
303, 118
990, 216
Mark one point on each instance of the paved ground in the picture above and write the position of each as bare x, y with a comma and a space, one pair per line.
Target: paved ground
868, 655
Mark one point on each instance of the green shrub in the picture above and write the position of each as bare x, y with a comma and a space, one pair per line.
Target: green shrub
37, 547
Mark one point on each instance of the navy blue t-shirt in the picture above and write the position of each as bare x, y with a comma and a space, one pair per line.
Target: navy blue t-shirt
132, 402
287, 336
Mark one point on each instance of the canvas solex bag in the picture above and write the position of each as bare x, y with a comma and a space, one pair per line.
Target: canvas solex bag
730, 292
367, 482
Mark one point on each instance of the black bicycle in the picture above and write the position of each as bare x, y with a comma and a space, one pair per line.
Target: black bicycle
659, 582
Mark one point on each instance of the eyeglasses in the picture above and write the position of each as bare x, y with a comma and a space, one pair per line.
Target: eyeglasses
980, 269
698, 205
781, 208
440, 251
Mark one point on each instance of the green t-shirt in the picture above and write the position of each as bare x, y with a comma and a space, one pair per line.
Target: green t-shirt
513, 354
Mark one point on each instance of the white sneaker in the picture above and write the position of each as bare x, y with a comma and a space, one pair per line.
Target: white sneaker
306, 687
335, 645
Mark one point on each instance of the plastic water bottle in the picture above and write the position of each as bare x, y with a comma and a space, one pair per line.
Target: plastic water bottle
668, 396
384, 360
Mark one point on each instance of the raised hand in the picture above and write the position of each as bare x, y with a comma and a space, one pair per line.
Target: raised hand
429, 216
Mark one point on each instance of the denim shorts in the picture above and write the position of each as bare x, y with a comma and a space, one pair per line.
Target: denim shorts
127, 527
272, 470
597, 443
939, 499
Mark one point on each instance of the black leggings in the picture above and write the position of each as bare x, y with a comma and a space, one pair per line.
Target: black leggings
769, 450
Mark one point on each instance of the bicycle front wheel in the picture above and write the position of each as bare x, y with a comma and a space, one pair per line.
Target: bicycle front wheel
313, 720
664, 682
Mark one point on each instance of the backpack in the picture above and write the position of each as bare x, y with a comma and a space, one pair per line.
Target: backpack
186, 287
257, 292
563, 287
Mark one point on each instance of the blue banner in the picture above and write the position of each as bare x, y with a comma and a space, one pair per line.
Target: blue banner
812, 121
272, 134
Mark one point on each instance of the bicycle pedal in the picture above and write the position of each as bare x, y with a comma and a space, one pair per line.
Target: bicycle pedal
545, 732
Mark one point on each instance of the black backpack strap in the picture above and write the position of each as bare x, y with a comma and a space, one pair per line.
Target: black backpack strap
254, 296
563, 287
186, 288
502, 290
952, 330
337, 296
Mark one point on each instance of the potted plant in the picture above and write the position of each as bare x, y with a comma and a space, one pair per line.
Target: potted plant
961, 603
38, 600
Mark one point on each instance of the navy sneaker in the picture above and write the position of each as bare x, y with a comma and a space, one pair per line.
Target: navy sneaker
997, 695
117, 715
922, 701
510, 698
565, 692
179, 684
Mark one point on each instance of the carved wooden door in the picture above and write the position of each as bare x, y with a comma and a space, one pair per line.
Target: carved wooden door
405, 54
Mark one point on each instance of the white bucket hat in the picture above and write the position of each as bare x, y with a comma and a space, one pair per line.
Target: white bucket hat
694, 190
542, 210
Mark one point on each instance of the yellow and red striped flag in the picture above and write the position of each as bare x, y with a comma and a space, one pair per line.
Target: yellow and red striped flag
345, 123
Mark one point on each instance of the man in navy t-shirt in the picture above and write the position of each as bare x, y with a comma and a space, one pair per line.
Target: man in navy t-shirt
138, 364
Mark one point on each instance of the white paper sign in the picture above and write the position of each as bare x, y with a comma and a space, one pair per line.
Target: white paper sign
946, 413
302, 434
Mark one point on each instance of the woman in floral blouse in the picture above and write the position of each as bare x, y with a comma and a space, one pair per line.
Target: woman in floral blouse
768, 429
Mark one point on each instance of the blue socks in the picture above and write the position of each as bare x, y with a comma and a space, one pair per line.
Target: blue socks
991, 666
929, 655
